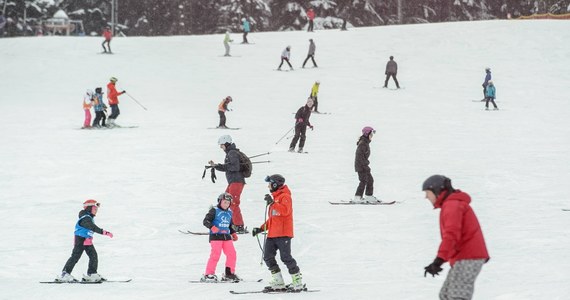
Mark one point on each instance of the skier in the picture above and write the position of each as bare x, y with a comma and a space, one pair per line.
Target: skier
246, 29
222, 237
314, 95
84, 230
362, 167
490, 95
391, 70
113, 97
279, 225
227, 42
222, 108
285, 56
311, 53
462, 244
108, 35
310, 17
100, 109
88, 100
301, 122
486, 82
235, 178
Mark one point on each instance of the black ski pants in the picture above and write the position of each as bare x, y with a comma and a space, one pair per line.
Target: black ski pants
99, 117
491, 99
78, 249
315, 104
366, 184
222, 118
115, 112
108, 42
300, 135
245, 38
310, 27
388, 77
312, 57
283, 244
287, 60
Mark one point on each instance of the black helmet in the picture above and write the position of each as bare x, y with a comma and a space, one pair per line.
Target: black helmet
436, 184
276, 181
225, 196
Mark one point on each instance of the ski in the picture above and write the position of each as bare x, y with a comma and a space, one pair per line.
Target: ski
284, 291
193, 232
227, 128
320, 113
86, 282
224, 281
284, 70
566, 209
364, 203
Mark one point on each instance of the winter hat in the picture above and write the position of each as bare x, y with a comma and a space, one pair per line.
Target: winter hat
366, 131
487, 69
437, 183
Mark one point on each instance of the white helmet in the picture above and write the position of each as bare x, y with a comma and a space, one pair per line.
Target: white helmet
225, 139
90, 93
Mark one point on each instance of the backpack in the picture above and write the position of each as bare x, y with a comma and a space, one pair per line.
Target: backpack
245, 166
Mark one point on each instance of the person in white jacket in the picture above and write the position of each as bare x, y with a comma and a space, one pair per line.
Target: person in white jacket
285, 56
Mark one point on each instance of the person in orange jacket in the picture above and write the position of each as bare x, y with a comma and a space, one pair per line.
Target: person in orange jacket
280, 232
222, 108
108, 35
113, 97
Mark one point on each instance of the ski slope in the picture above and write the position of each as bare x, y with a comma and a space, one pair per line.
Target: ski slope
514, 162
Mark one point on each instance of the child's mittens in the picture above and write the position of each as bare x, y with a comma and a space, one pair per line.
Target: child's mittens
215, 229
234, 236
107, 233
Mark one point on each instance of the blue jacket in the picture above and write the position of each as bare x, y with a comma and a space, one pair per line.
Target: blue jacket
99, 106
246, 26
490, 91
85, 226
222, 219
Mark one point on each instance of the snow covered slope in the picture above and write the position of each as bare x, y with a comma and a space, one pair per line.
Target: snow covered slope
514, 162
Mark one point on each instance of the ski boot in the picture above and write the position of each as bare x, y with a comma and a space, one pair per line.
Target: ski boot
300, 150
241, 229
94, 277
292, 149
371, 199
276, 283
65, 277
358, 199
229, 276
297, 283
209, 278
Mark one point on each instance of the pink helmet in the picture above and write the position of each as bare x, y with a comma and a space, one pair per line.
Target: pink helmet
366, 131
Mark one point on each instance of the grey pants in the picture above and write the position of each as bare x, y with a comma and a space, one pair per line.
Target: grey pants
227, 46
460, 281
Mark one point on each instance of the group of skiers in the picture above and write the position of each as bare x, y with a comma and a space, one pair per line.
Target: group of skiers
95, 100
489, 91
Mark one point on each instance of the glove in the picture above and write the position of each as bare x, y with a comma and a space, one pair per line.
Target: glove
256, 231
434, 268
234, 237
215, 229
107, 233
123, 92
311, 126
268, 199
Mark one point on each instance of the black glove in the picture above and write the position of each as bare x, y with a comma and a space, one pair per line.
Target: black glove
434, 268
123, 92
268, 199
256, 231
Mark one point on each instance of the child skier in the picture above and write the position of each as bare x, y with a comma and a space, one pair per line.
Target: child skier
285, 56
88, 100
222, 237
84, 229
279, 225
301, 122
362, 167
462, 244
222, 108
100, 109
490, 95
227, 41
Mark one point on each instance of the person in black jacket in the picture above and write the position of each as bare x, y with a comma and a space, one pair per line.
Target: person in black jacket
391, 71
301, 122
362, 167
84, 230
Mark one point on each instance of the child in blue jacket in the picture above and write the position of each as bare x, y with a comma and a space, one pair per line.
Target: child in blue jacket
490, 95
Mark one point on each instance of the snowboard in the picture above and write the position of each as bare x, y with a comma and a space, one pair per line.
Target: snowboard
364, 203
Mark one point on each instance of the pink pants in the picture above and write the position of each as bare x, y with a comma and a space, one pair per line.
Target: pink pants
87, 122
235, 190
215, 253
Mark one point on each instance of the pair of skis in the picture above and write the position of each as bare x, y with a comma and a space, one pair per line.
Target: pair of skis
363, 203
281, 291
86, 282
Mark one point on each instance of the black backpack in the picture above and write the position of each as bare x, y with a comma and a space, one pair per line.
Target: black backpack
245, 166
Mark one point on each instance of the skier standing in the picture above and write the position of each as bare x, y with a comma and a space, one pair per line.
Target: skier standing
285, 56
301, 122
113, 97
108, 35
311, 53
310, 17
227, 42
84, 230
222, 237
486, 82
100, 109
246, 29
279, 225
222, 108
391, 71
462, 242
362, 167
314, 95
88, 99
234, 176
490, 95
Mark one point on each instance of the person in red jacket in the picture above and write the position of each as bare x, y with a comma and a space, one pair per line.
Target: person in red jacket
108, 35
311, 17
113, 97
462, 243
279, 225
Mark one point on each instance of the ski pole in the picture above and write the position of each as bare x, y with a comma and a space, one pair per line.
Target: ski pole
136, 100
260, 162
266, 153
264, 237
286, 133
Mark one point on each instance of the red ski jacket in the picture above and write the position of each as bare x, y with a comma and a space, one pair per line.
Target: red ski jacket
280, 214
107, 35
461, 235
112, 94
311, 14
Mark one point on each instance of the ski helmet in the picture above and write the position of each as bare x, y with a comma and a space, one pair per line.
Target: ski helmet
99, 90
310, 101
317, 82
90, 202
243, 19
225, 196
436, 184
113, 79
391, 57
276, 181
225, 139
490, 82
229, 98
366, 131
487, 69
